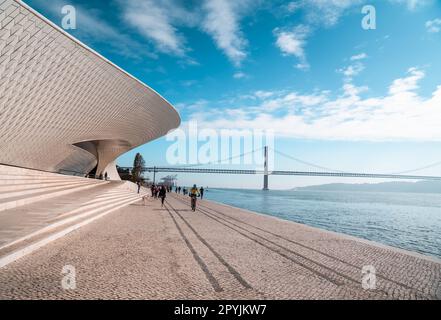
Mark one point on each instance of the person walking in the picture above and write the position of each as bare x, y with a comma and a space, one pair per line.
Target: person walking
137, 183
162, 195
201, 192
194, 193
105, 176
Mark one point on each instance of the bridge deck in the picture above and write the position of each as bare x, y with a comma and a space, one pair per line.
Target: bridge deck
289, 173
218, 252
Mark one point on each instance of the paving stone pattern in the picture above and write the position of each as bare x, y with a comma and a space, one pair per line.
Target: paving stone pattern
218, 252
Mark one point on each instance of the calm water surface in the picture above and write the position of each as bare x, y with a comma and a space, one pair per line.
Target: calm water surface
410, 221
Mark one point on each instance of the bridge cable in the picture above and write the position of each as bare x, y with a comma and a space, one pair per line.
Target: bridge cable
419, 169
307, 163
340, 171
221, 161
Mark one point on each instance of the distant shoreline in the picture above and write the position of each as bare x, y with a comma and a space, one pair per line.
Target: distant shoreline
422, 187
397, 186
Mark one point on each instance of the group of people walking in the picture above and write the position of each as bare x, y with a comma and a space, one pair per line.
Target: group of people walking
161, 193
185, 191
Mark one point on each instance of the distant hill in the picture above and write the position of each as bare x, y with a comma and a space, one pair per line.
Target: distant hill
396, 186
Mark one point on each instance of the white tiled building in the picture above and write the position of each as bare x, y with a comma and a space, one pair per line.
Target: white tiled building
63, 107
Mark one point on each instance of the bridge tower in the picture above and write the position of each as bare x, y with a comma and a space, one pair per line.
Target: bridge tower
265, 169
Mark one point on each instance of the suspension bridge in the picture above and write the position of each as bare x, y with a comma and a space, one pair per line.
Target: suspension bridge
319, 172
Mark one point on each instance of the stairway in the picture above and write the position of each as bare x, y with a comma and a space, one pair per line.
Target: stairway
20, 186
37, 208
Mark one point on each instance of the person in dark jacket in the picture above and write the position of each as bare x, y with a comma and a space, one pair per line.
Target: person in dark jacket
162, 195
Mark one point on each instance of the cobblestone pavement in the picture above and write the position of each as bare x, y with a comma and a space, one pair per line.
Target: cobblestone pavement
218, 252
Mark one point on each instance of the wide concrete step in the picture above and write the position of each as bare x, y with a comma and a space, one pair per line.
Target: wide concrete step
33, 173
66, 222
69, 216
21, 179
20, 200
11, 183
21, 186
96, 203
22, 220
26, 190
31, 177
4, 169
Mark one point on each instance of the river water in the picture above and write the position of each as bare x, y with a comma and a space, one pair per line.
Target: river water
410, 221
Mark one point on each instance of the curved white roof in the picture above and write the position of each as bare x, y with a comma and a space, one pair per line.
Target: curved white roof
63, 106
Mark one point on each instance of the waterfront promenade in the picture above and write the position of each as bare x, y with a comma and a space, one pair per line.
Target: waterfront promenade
219, 252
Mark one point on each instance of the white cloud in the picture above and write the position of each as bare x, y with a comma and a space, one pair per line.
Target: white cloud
317, 13
401, 114
303, 66
159, 22
192, 107
327, 12
408, 84
222, 23
355, 68
189, 83
412, 4
100, 32
350, 90
293, 43
360, 56
263, 94
239, 75
352, 70
92, 27
154, 22
294, 6
433, 26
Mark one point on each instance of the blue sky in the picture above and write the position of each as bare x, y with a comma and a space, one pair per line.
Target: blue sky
334, 93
